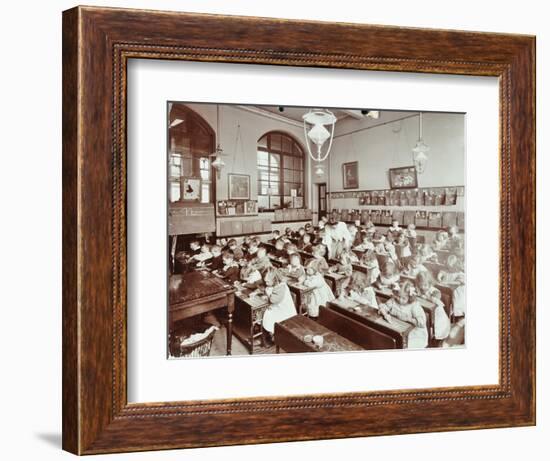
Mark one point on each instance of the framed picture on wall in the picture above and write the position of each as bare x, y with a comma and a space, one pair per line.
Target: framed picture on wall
350, 173
191, 189
239, 186
403, 178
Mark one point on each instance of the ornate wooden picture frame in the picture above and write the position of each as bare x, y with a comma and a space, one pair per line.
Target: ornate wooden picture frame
97, 44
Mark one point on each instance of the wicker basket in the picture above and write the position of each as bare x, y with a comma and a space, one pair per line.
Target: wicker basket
200, 348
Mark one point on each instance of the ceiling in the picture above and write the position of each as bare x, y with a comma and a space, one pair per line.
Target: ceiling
296, 113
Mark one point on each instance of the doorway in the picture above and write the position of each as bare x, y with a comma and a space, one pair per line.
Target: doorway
322, 199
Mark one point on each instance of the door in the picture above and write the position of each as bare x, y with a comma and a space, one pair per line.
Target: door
322, 197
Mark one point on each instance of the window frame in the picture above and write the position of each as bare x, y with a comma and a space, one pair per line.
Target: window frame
296, 151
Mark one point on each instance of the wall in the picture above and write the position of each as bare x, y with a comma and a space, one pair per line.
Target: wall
242, 158
389, 145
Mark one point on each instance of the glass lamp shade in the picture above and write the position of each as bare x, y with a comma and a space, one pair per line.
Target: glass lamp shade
316, 132
319, 170
218, 163
420, 156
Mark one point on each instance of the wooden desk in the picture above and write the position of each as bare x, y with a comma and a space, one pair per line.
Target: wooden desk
249, 313
195, 293
335, 281
303, 295
442, 256
397, 330
289, 336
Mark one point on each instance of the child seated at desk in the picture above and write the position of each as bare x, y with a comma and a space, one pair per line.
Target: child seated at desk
426, 253
250, 276
455, 240
389, 275
304, 244
344, 267
379, 243
410, 232
404, 306
246, 243
402, 246
370, 229
425, 288
361, 291
319, 260
216, 262
310, 231
321, 293
230, 270
365, 244
275, 235
281, 306
414, 266
261, 262
454, 275
389, 249
301, 232
288, 235
394, 230
252, 249
279, 252
295, 271
370, 262
441, 240
237, 251
201, 258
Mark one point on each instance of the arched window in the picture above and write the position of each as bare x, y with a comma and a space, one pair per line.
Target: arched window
192, 141
280, 172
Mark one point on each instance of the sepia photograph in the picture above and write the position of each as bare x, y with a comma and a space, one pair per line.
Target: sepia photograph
306, 229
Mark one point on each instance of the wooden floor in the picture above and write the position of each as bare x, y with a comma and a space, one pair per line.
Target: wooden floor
218, 345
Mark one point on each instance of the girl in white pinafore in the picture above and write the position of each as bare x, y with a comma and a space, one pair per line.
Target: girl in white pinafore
281, 305
404, 306
321, 294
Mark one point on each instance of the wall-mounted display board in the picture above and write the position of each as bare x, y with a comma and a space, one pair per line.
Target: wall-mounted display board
425, 196
237, 208
421, 218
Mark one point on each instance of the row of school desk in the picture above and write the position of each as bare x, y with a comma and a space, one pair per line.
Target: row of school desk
200, 291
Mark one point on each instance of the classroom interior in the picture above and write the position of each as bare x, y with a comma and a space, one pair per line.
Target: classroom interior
295, 229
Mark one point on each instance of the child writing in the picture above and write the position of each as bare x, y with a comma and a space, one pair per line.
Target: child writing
454, 275
261, 262
404, 306
414, 266
295, 271
281, 306
305, 243
321, 294
319, 259
388, 276
394, 230
402, 246
230, 270
250, 276
370, 262
425, 289
441, 240
216, 262
365, 244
